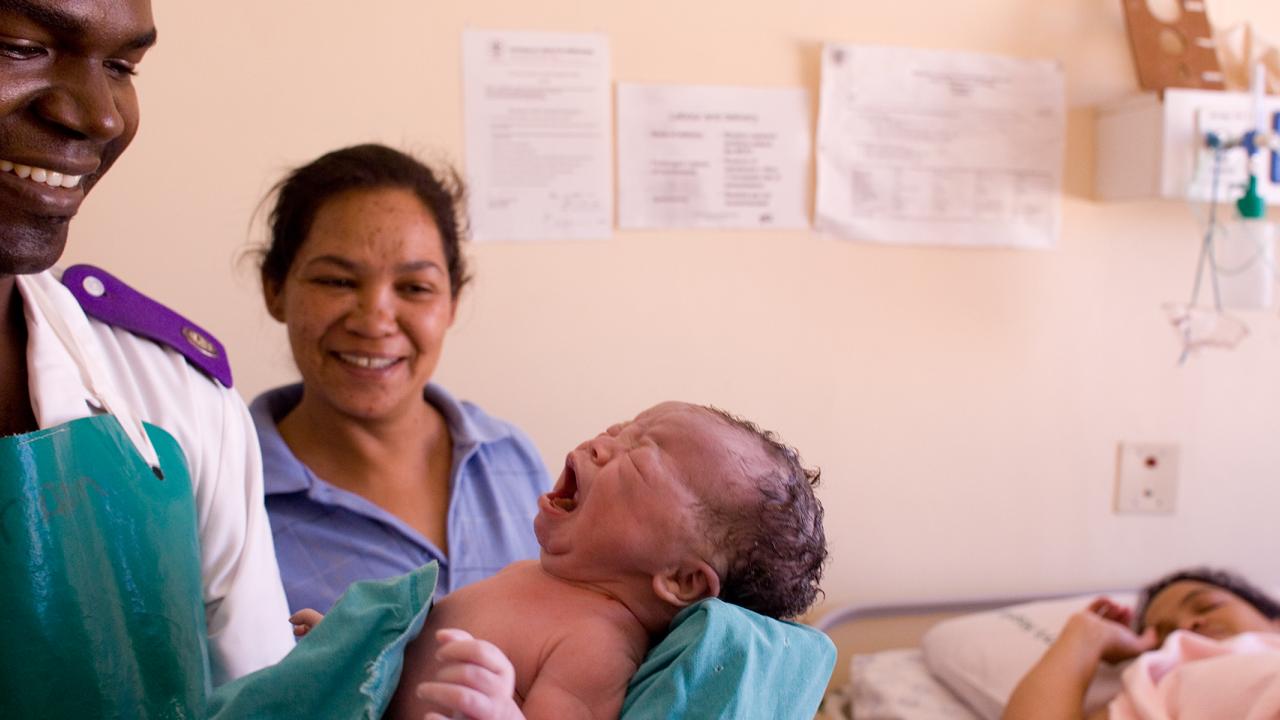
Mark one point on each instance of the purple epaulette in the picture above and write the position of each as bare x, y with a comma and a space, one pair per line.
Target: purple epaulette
106, 298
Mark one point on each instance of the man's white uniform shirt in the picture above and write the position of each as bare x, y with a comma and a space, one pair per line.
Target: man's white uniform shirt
244, 602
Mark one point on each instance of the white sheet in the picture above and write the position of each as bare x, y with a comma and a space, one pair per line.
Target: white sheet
893, 685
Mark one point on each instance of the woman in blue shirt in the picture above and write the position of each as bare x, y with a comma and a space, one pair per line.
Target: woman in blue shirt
371, 470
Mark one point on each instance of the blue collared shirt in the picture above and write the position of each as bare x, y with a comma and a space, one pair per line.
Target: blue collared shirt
326, 537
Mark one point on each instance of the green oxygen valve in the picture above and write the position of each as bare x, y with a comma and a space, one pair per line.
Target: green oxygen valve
1250, 204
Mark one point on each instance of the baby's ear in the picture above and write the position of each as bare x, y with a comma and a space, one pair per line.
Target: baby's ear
687, 584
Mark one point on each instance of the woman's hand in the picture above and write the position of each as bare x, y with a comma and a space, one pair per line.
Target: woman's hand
476, 681
304, 621
1102, 632
1054, 688
1114, 612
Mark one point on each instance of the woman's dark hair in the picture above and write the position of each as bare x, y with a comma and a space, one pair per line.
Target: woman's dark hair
302, 192
1223, 579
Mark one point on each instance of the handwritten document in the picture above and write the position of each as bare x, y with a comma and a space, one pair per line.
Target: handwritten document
538, 135
935, 147
712, 157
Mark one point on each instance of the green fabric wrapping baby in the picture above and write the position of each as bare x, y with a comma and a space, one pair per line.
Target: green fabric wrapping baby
718, 661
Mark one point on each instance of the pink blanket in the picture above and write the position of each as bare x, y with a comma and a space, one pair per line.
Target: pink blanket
1192, 677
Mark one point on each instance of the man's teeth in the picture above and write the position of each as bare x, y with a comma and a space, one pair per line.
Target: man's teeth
40, 175
367, 362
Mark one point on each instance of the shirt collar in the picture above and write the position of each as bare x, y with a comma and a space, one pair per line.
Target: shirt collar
468, 426
281, 471
284, 474
55, 384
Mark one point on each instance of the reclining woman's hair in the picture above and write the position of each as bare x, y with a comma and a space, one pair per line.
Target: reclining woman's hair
776, 547
1229, 581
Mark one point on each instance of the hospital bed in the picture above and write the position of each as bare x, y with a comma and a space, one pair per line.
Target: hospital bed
957, 660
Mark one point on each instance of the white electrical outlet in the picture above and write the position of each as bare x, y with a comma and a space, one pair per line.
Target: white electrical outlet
1147, 478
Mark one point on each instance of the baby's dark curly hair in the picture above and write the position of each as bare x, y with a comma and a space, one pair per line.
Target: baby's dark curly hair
1226, 580
775, 549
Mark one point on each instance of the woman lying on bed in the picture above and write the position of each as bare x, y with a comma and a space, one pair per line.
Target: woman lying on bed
1207, 643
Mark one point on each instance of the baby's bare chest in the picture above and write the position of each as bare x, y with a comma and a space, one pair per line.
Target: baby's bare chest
527, 616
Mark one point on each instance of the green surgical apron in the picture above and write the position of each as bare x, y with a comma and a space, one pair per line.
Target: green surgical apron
101, 609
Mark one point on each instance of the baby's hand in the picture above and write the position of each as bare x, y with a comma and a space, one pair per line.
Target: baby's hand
304, 621
476, 681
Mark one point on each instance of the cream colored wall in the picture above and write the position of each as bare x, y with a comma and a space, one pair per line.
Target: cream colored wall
965, 405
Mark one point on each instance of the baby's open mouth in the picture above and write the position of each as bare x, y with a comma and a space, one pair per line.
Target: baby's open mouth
565, 494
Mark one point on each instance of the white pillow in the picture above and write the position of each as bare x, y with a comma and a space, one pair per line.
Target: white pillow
981, 657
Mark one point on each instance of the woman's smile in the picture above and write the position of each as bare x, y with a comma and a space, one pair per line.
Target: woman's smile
367, 362
368, 303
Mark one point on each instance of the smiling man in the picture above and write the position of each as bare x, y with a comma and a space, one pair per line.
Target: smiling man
136, 564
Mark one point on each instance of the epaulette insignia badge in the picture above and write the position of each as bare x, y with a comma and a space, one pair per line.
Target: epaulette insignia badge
106, 298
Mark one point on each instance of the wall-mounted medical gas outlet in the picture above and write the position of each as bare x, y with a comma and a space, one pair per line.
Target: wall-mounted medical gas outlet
1147, 478
1148, 148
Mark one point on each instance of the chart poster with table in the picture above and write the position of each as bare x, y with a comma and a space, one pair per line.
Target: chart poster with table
538, 127
939, 148
712, 157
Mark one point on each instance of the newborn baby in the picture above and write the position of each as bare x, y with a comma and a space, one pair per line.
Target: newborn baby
682, 503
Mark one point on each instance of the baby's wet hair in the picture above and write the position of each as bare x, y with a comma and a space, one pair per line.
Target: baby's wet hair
775, 548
